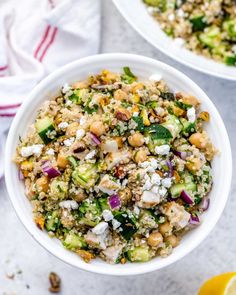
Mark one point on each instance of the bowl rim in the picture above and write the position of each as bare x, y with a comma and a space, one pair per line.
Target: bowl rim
36, 92
211, 73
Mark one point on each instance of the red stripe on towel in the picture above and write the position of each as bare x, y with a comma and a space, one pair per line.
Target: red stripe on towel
3, 68
42, 41
8, 115
49, 43
10, 106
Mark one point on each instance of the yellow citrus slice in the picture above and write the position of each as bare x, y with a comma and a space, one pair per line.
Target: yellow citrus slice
224, 284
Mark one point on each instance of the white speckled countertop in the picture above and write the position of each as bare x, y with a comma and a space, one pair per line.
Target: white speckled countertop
19, 252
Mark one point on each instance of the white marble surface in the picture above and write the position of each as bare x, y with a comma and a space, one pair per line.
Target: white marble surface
18, 251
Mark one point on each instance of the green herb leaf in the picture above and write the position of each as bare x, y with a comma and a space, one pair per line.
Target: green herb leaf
152, 104
167, 95
158, 132
127, 224
139, 121
128, 77
182, 105
75, 97
230, 60
191, 128
198, 23
91, 110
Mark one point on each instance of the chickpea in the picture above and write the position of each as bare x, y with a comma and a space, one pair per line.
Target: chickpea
72, 129
198, 139
42, 184
172, 240
97, 128
140, 156
154, 239
194, 164
165, 228
62, 161
136, 140
125, 195
120, 95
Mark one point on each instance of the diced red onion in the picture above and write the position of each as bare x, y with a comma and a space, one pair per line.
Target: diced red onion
20, 175
49, 170
95, 139
205, 203
171, 169
186, 198
194, 220
182, 155
114, 201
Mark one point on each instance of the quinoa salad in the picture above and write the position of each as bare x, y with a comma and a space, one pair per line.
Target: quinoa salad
118, 168
207, 27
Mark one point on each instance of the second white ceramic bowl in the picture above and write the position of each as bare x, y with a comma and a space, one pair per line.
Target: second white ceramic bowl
143, 67
136, 13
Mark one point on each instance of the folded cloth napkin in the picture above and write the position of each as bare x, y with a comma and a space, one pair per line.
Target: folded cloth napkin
36, 37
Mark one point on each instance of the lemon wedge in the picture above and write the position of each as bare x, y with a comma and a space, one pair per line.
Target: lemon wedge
224, 284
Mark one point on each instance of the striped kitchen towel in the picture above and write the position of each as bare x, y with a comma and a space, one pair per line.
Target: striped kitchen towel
36, 37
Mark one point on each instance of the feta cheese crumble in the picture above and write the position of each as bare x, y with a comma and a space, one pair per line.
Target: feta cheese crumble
136, 210
191, 114
100, 228
50, 152
135, 114
166, 182
90, 155
82, 120
155, 77
155, 179
162, 149
35, 149
171, 17
162, 191
115, 223
80, 134
63, 125
69, 204
66, 87
107, 215
69, 141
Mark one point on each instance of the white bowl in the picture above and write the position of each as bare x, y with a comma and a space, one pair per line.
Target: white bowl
135, 12
143, 67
